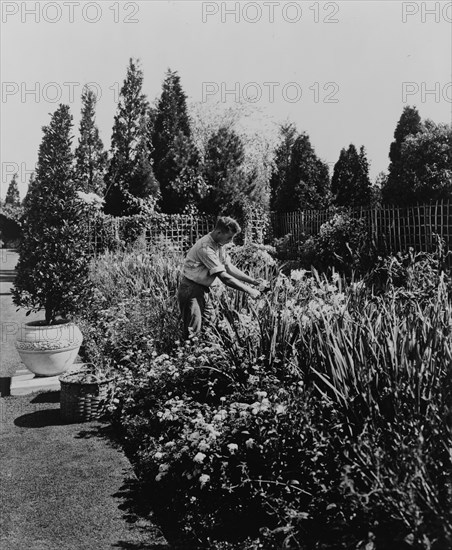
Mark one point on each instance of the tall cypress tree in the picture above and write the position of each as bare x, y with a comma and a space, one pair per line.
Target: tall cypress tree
280, 172
90, 156
130, 175
307, 184
350, 183
177, 162
12, 194
394, 191
223, 174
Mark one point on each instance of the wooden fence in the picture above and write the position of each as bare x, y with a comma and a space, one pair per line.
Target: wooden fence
392, 228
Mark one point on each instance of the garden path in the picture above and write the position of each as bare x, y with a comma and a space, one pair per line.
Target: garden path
10, 319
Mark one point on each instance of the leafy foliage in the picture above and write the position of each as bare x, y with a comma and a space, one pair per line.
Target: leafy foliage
343, 244
409, 124
302, 179
317, 417
12, 194
350, 183
223, 174
176, 157
91, 159
426, 164
52, 272
280, 173
256, 135
130, 173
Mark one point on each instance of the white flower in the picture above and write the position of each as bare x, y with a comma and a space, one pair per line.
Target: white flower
194, 436
280, 409
221, 415
90, 198
203, 446
249, 443
233, 447
199, 457
163, 467
253, 379
158, 455
203, 479
297, 274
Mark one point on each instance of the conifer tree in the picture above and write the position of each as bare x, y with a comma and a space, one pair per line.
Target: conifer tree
12, 194
90, 156
283, 155
409, 124
350, 183
223, 174
130, 174
53, 264
177, 163
307, 183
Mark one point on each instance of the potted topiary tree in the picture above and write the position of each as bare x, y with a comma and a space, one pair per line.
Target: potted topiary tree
52, 272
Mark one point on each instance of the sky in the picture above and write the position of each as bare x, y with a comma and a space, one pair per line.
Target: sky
340, 71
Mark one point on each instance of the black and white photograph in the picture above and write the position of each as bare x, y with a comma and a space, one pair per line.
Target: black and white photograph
226, 275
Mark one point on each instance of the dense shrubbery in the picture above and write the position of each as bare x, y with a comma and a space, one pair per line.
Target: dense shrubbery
343, 243
317, 417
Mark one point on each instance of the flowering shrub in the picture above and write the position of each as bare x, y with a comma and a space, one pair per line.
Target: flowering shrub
343, 243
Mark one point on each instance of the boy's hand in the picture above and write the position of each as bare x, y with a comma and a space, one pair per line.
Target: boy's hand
262, 284
254, 293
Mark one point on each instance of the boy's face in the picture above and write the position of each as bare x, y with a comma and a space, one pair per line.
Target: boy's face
225, 238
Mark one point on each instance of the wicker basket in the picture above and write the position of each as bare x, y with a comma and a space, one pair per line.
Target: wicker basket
82, 401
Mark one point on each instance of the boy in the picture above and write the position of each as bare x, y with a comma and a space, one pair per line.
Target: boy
205, 261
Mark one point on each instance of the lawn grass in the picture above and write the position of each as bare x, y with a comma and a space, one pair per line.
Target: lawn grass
66, 486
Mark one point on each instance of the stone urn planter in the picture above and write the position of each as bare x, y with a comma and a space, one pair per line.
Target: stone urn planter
48, 350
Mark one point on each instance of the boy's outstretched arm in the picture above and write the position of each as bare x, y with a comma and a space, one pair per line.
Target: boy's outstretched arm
233, 282
238, 274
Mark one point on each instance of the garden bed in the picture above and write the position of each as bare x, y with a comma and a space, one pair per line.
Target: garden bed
316, 417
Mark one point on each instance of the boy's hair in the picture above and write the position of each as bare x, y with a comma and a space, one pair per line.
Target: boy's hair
226, 224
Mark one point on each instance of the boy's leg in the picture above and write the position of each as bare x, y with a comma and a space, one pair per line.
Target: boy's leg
208, 314
192, 303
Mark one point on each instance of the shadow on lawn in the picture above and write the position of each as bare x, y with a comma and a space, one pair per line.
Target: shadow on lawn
135, 502
40, 419
47, 397
137, 510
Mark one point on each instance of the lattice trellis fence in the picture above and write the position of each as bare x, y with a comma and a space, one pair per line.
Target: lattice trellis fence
392, 228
